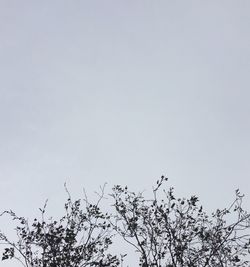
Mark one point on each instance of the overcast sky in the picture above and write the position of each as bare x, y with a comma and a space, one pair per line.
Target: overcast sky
123, 92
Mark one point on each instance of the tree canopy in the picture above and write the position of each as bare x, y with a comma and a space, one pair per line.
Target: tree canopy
165, 231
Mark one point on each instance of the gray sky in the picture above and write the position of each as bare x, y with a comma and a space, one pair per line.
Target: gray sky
123, 92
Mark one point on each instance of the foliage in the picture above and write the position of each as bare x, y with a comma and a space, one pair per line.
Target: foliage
178, 233
165, 231
80, 238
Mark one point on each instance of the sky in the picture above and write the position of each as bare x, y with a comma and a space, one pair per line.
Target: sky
121, 92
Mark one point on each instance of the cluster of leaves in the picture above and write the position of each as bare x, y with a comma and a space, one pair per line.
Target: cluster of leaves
80, 238
165, 231
177, 232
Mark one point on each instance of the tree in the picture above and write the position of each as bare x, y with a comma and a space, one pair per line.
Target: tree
165, 231
80, 238
174, 232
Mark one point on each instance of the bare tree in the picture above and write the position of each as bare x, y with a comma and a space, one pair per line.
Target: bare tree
174, 232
